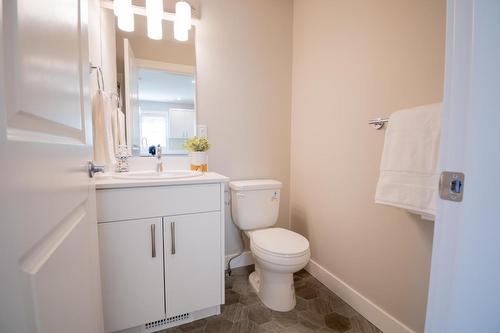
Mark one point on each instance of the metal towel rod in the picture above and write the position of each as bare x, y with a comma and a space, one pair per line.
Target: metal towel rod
378, 123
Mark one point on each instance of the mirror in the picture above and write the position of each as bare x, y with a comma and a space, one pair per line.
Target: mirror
157, 88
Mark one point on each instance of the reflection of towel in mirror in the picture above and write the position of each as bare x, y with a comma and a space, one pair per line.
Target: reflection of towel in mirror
118, 121
408, 170
102, 106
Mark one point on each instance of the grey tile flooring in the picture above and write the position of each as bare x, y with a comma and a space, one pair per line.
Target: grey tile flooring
318, 310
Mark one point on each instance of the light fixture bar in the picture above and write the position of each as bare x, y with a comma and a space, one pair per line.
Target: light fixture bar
138, 10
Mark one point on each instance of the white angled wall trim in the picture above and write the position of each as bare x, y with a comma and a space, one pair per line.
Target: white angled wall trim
244, 260
371, 311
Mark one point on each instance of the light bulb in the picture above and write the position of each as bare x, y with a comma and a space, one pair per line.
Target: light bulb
154, 12
180, 32
183, 14
117, 5
126, 16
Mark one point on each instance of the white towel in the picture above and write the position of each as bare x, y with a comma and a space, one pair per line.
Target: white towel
408, 169
102, 106
118, 121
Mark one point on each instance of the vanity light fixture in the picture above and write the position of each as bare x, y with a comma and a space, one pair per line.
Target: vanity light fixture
124, 10
154, 13
125, 15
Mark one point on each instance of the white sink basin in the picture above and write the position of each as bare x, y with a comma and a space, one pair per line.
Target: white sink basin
169, 174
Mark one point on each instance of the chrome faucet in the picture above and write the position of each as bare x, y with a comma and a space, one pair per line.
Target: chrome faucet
159, 163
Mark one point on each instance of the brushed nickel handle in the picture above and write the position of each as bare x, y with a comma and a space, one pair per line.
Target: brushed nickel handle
172, 237
153, 240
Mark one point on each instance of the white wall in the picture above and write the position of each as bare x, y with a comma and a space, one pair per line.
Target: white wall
243, 57
352, 61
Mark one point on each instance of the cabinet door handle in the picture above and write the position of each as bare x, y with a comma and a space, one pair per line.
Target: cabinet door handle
153, 240
172, 237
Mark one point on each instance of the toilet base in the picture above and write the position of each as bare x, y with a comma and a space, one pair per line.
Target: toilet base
253, 278
275, 290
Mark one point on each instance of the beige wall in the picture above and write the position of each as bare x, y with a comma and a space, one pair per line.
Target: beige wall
164, 51
244, 91
352, 61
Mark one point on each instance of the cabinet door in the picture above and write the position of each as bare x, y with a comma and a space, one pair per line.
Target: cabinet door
189, 121
193, 262
181, 123
132, 273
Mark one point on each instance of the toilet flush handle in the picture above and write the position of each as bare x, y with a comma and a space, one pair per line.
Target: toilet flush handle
240, 194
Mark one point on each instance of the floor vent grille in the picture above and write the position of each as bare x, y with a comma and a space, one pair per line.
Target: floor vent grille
166, 321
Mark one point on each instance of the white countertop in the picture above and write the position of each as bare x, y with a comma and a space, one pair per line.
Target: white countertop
106, 181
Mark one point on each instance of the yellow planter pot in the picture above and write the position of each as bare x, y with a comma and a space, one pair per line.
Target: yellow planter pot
199, 161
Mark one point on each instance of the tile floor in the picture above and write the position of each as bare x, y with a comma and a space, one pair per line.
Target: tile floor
317, 310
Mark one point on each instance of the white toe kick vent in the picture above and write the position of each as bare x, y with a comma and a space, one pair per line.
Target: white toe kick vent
163, 322
177, 318
154, 324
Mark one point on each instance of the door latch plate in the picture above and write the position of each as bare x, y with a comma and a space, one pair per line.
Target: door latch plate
451, 186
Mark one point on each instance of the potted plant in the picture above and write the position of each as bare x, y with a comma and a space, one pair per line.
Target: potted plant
197, 148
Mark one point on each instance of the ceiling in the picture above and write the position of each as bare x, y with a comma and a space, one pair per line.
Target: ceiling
161, 86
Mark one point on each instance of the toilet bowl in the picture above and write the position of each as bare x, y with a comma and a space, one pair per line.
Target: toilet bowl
277, 252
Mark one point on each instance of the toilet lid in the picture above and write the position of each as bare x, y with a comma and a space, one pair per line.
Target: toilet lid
280, 241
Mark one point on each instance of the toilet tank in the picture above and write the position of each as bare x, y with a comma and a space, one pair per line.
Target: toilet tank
255, 203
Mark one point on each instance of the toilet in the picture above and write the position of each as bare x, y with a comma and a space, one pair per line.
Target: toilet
277, 252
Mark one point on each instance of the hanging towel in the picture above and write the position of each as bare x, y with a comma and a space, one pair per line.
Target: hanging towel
102, 106
408, 169
118, 121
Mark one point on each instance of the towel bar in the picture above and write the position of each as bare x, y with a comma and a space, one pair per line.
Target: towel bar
378, 123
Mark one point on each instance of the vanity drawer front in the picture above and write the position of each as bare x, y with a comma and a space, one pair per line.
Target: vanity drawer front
146, 202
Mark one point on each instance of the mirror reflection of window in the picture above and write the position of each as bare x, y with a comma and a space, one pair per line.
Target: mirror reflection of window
153, 126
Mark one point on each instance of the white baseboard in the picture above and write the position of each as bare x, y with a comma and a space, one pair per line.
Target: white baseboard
376, 315
244, 260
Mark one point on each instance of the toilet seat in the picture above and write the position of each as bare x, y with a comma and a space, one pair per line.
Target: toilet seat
280, 246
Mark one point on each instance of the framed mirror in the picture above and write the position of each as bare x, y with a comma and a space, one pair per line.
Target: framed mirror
157, 86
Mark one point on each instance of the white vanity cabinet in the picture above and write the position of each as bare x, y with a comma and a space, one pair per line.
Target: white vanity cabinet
161, 252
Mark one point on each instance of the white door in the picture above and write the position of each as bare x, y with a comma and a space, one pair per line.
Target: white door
131, 255
192, 262
131, 77
464, 293
48, 234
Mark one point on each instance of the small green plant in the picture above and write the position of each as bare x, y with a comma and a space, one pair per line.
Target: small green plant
197, 144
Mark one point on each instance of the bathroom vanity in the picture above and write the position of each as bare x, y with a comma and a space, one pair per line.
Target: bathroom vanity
161, 247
